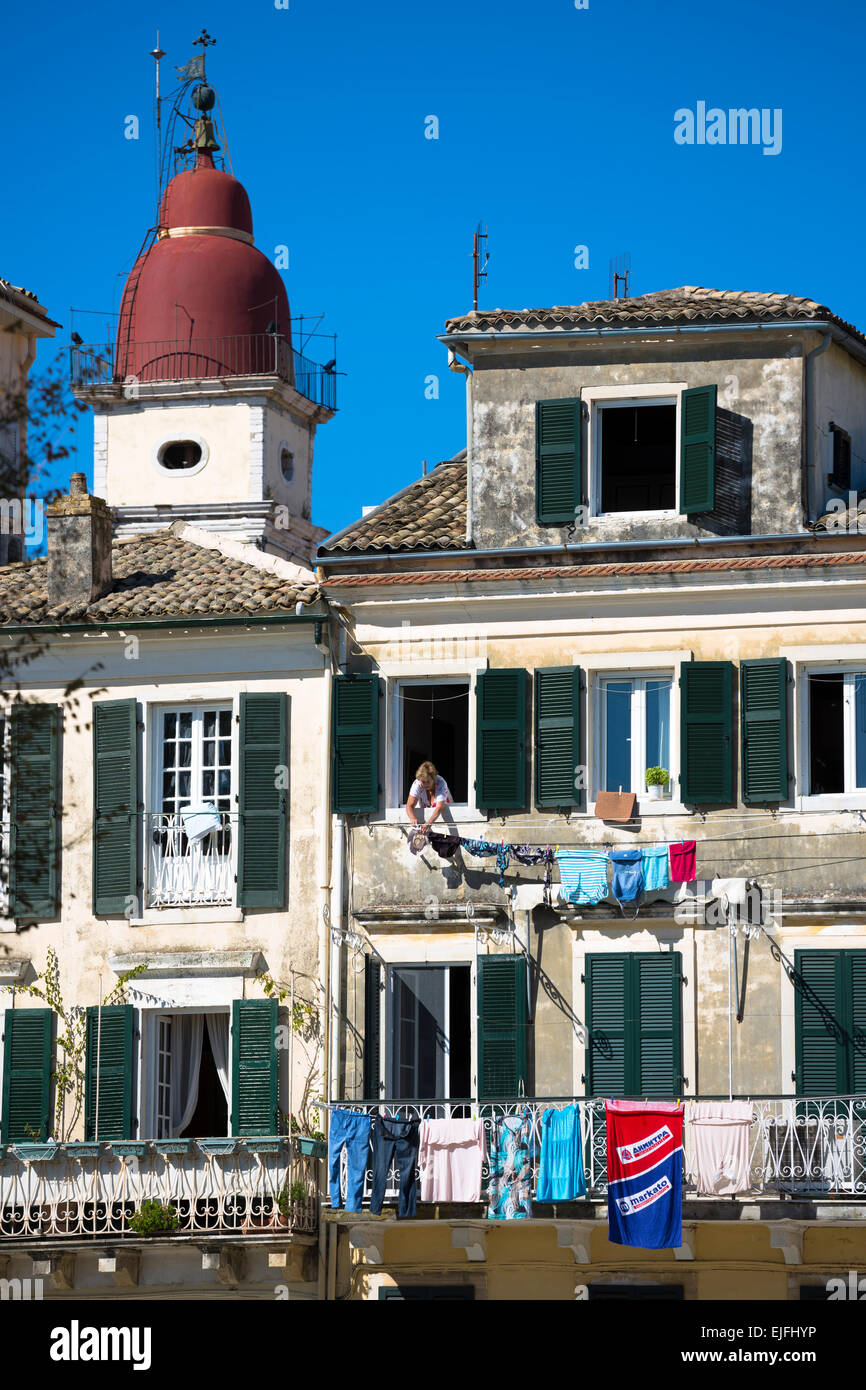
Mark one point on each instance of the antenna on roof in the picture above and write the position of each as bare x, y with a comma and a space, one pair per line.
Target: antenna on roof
156, 54
479, 271
620, 270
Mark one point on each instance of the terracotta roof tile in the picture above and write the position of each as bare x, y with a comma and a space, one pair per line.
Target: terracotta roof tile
430, 514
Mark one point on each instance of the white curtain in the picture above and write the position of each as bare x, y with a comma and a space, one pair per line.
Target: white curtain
218, 1032
187, 1034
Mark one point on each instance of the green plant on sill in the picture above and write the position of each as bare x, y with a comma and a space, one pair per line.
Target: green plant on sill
154, 1219
290, 1197
657, 777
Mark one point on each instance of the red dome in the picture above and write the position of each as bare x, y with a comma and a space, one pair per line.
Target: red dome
201, 299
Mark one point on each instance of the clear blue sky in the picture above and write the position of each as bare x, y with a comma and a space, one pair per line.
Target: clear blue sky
555, 126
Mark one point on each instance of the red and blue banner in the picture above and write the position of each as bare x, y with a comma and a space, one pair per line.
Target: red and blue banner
645, 1174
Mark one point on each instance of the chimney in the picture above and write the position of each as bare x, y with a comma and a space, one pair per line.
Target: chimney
79, 547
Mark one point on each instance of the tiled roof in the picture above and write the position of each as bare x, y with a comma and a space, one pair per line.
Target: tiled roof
155, 576
430, 514
615, 569
688, 304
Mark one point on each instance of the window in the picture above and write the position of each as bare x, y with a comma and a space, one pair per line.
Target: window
4, 815
841, 474
191, 1075
430, 1033
835, 720
622, 1292
830, 1014
287, 463
636, 467
434, 724
426, 1292
182, 454
635, 730
192, 771
634, 1024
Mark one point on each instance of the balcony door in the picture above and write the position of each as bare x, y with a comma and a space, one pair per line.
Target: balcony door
429, 1031
191, 1074
193, 766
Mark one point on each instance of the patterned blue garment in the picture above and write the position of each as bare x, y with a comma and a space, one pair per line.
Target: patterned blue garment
481, 849
511, 1150
560, 1175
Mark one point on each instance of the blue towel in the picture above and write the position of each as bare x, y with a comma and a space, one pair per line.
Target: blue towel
583, 874
627, 874
656, 867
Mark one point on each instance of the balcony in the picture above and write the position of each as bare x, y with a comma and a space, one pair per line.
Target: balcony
809, 1147
96, 368
226, 1187
182, 873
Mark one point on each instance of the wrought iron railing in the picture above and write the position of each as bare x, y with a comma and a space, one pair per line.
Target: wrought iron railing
798, 1146
238, 355
183, 873
234, 1187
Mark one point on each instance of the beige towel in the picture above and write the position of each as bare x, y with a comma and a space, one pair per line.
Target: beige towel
719, 1143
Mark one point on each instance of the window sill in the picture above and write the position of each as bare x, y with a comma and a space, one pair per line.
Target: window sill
847, 801
187, 916
455, 815
645, 807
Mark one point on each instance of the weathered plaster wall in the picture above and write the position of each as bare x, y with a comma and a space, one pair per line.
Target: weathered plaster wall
840, 398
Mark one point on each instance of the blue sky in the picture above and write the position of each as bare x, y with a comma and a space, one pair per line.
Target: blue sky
556, 127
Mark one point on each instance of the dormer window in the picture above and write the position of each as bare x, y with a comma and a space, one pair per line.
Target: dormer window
636, 461
181, 457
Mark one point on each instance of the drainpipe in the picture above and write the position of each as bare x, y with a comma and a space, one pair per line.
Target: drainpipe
335, 924
810, 412
455, 366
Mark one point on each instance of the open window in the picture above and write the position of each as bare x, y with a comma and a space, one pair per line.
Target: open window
634, 718
191, 1071
835, 732
636, 455
429, 1032
433, 724
4, 816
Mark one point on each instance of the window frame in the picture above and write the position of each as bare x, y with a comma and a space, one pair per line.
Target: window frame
396, 794
390, 1022
634, 666
146, 1080
5, 810
852, 797
600, 397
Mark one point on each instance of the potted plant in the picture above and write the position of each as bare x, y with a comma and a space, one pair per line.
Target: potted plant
657, 780
291, 1199
153, 1218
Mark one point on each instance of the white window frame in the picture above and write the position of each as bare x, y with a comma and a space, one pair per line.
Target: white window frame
388, 1011
395, 678
148, 1062
634, 666
852, 797
5, 811
599, 397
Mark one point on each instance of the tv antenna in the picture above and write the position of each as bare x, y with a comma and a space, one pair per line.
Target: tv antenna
620, 270
479, 267
156, 54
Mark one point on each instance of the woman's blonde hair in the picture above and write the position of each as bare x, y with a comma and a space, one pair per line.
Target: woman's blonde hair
427, 773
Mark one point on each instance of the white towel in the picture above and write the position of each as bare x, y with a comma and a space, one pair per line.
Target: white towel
734, 892
199, 820
719, 1134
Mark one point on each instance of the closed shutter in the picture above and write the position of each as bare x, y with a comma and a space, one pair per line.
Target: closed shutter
26, 1075
372, 1017
607, 987
820, 1024
658, 986
500, 761
698, 450
34, 841
108, 1058
764, 729
502, 1015
263, 800
558, 490
254, 1067
706, 689
857, 1066
557, 735
115, 805
356, 745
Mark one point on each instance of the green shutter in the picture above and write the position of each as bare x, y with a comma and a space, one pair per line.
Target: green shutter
821, 1038
263, 800
558, 491
115, 805
502, 1015
111, 1041
658, 1040
254, 1067
634, 1023
35, 820
372, 1017
557, 735
26, 1075
500, 761
857, 1065
607, 986
764, 729
706, 689
698, 450
356, 745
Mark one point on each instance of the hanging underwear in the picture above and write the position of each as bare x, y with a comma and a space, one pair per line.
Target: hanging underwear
446, 846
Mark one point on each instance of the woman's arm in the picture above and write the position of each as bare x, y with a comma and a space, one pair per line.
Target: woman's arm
437, 811
410, 810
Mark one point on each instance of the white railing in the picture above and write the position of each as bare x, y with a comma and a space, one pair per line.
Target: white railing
231, 1187
799, 1146
181, 873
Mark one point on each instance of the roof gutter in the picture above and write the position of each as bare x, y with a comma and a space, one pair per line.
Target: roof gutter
506, 334
165, 624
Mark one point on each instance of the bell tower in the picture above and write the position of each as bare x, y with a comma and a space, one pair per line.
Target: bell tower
203, 409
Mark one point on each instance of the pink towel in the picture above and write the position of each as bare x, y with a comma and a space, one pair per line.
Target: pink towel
719, 1131
682, 856
450, 1155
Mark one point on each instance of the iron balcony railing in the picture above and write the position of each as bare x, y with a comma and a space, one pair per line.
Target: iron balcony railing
198, 359
234, 1187
182, 873
810, 1147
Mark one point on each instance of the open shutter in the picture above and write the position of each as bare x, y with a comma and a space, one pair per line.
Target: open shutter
108, 1059
263, 800
557, 735
764, 729
706, 689
254, 1067
502, 1015
372, 1017
820, 1024
35, 821
698, 450
500, 766
115, 805
607, 986
26, 1076
558, 491
356, 745
658, 1036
